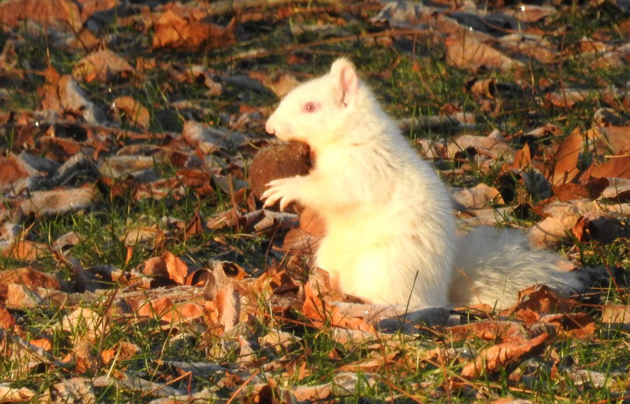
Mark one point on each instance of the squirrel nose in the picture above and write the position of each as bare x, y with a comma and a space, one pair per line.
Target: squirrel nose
270, 129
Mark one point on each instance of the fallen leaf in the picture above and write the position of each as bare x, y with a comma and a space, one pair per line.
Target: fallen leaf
28, 277
372, 365
466, 52
59, 14
568, 97
209, 139
84, 322
597, 226
135, 113
63, 94
7, 321
306, 238
225, 309
13, 169
89, 7
102, 65
504, 331
478, 197
121, 351
565, 159
493, 145
502, 356
576, 325
618, 190
15, 394
315, 308
616, 316
616, 167
541, 299
73, 390
280, 83
42, 343
191, 31
58, 201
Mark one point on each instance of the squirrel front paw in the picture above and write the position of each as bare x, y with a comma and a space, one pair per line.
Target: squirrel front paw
284, 190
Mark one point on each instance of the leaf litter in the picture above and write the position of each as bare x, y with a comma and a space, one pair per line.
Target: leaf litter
96, 143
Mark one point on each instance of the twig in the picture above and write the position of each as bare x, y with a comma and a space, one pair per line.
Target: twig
242, 386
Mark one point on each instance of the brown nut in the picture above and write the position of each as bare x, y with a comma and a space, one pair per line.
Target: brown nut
278, 162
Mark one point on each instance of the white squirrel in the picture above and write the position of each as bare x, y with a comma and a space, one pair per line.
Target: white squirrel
390, 231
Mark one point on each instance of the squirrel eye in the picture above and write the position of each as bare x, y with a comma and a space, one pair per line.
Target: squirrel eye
310, 107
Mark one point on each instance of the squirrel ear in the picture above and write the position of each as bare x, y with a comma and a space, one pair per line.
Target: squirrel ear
345, 79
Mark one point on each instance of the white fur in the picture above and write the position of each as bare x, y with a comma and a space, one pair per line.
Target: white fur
390, 231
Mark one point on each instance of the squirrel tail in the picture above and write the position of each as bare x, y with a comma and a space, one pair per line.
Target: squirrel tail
492, 266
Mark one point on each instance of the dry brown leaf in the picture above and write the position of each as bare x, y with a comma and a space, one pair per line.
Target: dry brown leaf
616, 316
7, 321
15, 394
597, 226
191, 31
84, 322
25, 250
478, 197
268, 393
136, 113
58, 201
576, 325
146, 236
305, 239
532, 12
166, 266
569, 191
176, 268
466, 52
614, 138
616, 167
372, 365
89, 7
21, 298
503, 355
504, 331
312, 393
59, 14
209, 139
121, 351
13, 169
63, 94
168, 312
522, 159
225, 309
102, 65
541, 299
280, 83
567, 98
618, 190
29, 277
42, 343
608, 117
560, 217
493, 145
566, 158
315, 308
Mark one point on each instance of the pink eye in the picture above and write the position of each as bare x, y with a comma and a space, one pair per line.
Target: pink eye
310, 107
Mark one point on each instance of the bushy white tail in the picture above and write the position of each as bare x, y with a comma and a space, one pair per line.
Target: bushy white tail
492, 266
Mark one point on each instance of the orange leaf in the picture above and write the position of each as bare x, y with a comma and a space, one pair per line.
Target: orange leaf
503, 355
566, 158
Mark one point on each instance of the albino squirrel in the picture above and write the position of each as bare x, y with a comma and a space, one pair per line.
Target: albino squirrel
390, 231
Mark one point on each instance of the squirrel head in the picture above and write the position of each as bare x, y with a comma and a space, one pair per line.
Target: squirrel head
318, 111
